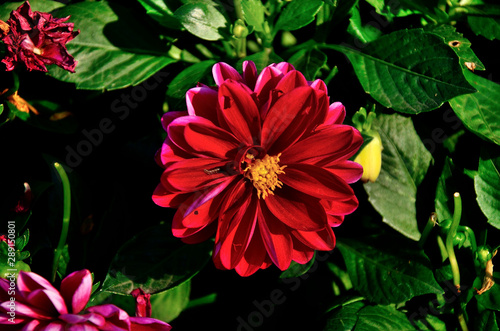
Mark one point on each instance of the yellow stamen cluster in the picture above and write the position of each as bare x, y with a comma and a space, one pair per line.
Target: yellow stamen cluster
264, 174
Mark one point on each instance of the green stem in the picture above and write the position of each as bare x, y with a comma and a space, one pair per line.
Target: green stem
65, 221
428, 228
238, 9
457, 215
472, 239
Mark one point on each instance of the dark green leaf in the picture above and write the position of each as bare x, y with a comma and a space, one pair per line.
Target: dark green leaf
297, 14
404, 164
485, 20
487, 321
480, 111
386, 275
159, 11
202, 20
418, 74
155, 261
296, 269
62, 265
490, 299
188, 78
253, 12
358, 317
364, 33
459, 44
444, 192
22, 241
487, 185
167, 305
113, 52
309, 62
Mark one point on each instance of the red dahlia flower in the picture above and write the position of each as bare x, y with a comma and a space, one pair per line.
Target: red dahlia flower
37, 39
262, 161
35, 305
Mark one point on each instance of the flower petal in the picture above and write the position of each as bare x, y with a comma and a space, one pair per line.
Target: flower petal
336, 114
202, 101
222, 71
276, 238
116, 318
190, 175
316, 182
288, 119
76, 289
349, 171
331, 144
323, 240
170, 116
297, 210
254, 256
198, 136
266, 82
249, 74
341, 207
301, 253
148, 324
239, 111
291, 80
164, 198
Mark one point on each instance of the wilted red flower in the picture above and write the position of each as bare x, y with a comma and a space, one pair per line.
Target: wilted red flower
38, 306
37, 39
263, 162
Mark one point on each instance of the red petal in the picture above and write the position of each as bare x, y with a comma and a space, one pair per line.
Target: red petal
288, 119
254, 256
76, 289
336, 114
266, 82
276, 238
189, 175
202, 101
164, 198
240, 112
291, 80
334, 220
316, 182
284, 67
297, 210
170, 116
323, 240
349, 171
249, 74
340, 207
198, 136
222, 71
326, 146
192, 235
301, 253
320, 85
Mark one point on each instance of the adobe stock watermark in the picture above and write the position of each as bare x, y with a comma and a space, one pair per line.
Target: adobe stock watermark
265, 308
122, 107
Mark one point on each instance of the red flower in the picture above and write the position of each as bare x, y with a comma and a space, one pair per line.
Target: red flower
37, 39
38, 306
262, 161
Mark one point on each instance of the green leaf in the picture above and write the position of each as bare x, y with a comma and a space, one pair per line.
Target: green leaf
188, 78
296, 269
490, 299
480, 111
309, 61
386, 275
155, 261
159, 11
487, 321
167, 305
418, 74
113, 52
405, 161
485, 21
460, 45
364, 33
202, 20
358, 317
487, 185
253, 12
443, 201
297, 14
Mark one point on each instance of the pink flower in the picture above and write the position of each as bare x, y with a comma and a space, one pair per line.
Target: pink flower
262, 162
37, 39
38, 306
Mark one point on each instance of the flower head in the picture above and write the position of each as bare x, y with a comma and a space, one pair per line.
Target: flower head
39, 306
262, 161
37, 39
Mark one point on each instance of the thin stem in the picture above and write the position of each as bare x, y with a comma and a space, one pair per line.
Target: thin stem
428, 228
457, 215
238, 9
65, 221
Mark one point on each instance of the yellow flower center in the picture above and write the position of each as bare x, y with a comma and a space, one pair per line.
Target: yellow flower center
264, 174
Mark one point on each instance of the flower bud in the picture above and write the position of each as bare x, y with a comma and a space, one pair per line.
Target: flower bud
370, 158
